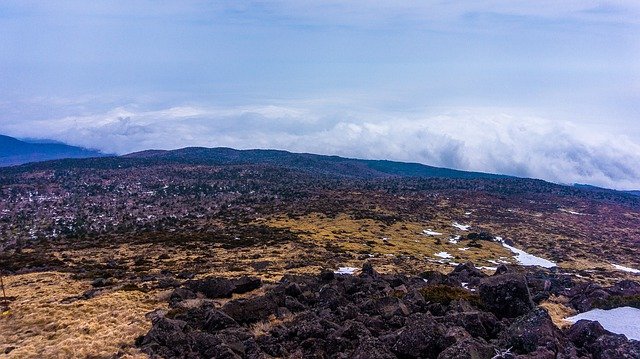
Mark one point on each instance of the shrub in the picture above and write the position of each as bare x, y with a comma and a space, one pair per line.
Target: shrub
445, 294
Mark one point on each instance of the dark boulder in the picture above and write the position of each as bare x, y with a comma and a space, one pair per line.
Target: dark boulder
614, 346
502, 269
584, 296
167, 338
368, 271
372, 348
212, 287
466, 272
592, 339
585, 332
477, 323
506, 295
625, 288
532, 332
251, 310
180, 294
102, 282
246, 284
468, 348
434, 278
422, 337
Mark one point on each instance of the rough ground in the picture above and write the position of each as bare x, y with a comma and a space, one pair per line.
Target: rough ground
90, 248
386, 316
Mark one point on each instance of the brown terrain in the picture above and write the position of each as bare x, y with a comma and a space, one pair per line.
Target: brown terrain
94, 249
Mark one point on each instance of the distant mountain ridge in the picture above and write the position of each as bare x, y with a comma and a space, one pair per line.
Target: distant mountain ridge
16, 152
329, 165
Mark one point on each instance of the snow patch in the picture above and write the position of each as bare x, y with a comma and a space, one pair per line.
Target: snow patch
462, 227
429, 232
488, 268
625, 269
571, 212
443, 255
346, 270
454, 240
464, 249
525, 258
623, 320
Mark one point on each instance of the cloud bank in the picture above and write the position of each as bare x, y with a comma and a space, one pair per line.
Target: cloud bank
479, 139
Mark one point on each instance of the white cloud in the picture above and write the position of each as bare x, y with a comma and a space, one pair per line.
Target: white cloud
480, 139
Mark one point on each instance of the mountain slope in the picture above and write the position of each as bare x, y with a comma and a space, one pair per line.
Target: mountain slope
15, 152
330, 165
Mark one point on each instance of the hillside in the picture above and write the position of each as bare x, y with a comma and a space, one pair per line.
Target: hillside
16, 152
331, 165
118, 256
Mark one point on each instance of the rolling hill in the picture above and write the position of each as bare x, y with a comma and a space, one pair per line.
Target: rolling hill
16, 152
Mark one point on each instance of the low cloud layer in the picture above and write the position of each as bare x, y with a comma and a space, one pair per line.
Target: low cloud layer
486, 139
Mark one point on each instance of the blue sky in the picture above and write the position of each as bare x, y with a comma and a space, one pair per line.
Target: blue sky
543, 89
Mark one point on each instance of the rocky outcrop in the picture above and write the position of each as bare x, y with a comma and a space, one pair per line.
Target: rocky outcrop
506, 295
213, 287
374, 315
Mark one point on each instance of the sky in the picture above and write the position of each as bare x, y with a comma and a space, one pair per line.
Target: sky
544, 89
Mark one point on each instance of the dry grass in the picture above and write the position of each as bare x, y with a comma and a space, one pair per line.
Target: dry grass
365, 236
39, 326
557, 309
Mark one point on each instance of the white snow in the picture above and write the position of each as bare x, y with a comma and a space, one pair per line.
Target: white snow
462, 227
625, 269
467, 213
525, 258
346, 270
429, 232
465, 285
489, 268
443, 255
623, 320
454, 240
571, 212
464, 249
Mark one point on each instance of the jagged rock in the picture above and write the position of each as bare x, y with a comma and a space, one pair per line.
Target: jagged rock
434, 277
327, 275
468, 348
367, 270
372, 348
167, 338
502, 269
102, 282
246, 284
584, 332
533, 331
478, 324
293, 289
378, 316
584, 296
180, 294
614, 346
466, 272
506, 295
293, 304
625, 288
422, 337
252, 309
592, 339
212, 287
215, 320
